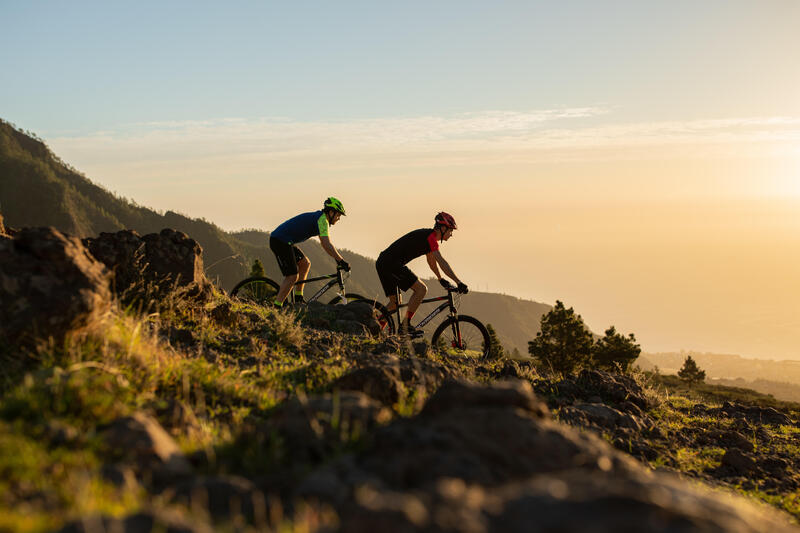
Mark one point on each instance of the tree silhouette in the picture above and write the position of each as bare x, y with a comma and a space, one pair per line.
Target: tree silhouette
496, 350
690, 372
563, 344
615, 351
257, 270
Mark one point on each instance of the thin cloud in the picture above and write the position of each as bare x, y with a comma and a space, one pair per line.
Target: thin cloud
472, 133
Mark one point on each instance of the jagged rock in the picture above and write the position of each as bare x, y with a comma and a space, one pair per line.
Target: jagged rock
50, 287
755, 414
141, 439
738, 461
495, 462
603, 416
222, 497
732, 439
379, 382
775, 466
611, 388
152, 265
462, 394
142, 522
356, 317
223, 314
410, 374
311, 428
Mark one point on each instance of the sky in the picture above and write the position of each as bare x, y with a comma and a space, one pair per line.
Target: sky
637, 160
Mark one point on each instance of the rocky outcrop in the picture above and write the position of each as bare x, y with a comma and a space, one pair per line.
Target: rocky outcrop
490, 459
596, 386
356, 317
389, 379
152, 265
50, 287
310, 428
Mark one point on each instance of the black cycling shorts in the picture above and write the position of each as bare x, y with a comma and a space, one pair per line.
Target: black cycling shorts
287, 255
393, 277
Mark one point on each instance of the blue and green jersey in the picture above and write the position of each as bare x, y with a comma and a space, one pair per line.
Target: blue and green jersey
302, 227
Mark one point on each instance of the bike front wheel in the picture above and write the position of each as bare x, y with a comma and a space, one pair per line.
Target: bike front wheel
261, 291
464, 336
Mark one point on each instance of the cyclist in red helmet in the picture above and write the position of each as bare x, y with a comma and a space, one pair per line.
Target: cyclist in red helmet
394, 274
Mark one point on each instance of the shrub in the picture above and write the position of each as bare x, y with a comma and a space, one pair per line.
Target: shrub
496, 350
615, 351
564, 343
690, 372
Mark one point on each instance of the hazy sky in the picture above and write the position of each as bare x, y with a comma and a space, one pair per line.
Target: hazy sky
638, 160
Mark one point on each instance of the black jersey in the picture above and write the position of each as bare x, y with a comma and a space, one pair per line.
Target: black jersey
410, 246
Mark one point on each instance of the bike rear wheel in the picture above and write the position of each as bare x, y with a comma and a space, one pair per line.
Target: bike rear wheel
261, 291
465, 336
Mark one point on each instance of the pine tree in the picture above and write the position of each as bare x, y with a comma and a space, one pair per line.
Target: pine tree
690, 372
564, 343
615, 351
257, 270
496, 350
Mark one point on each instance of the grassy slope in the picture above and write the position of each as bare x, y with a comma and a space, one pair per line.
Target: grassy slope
225, 374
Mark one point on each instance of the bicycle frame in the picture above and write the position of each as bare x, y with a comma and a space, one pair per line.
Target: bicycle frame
335, 279
424, 322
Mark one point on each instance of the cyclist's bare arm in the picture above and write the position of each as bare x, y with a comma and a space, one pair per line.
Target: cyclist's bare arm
328, 246
432, 263
436, 257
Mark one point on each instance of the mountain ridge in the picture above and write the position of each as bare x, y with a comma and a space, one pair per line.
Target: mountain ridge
73, 204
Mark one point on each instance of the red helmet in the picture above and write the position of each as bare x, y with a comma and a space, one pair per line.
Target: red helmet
446, 220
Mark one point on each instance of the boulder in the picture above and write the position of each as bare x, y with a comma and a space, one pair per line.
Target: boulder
310, 429
377, 382
389, 378
755, 414
488, 458
141, 439
738, 461
611, 388
151, 265
357, 317
50, 286
603, 416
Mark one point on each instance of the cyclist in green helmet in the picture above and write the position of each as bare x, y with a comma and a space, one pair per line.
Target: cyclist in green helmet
292, 262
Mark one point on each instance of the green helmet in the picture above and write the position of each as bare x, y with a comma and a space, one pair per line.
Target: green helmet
335, 204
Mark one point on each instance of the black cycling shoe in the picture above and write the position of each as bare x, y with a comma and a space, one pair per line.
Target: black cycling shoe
298, 299
412, 332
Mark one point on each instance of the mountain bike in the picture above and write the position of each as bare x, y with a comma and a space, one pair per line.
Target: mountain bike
458, 334
262, 291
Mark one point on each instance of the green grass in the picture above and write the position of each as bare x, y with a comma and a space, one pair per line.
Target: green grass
232, 373
718, 394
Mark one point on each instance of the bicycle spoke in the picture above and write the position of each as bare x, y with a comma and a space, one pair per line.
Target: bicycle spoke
470, 343
257, 291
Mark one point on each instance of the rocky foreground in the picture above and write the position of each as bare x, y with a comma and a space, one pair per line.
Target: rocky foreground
136, 397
